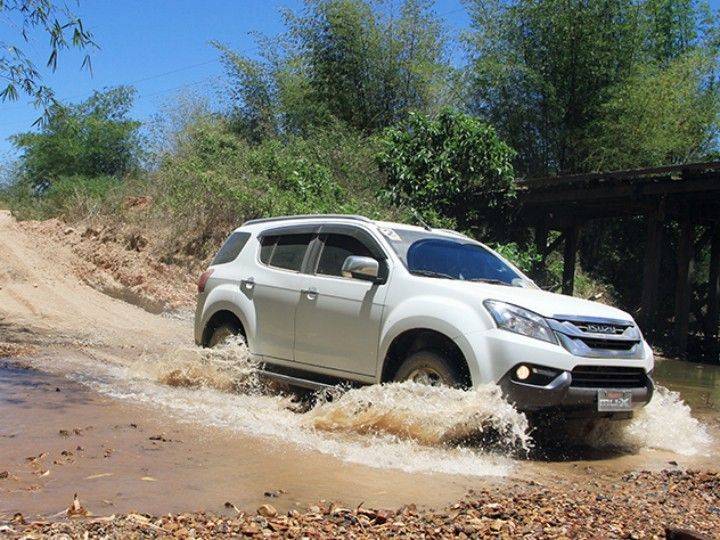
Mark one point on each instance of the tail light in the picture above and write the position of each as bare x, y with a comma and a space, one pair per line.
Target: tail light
204, 279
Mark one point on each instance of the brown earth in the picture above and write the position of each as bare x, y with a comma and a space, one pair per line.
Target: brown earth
116, 259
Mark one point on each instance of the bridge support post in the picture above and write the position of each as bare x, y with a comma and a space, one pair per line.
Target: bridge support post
651, 271
569, 259
541, 239
683, 285
713, 307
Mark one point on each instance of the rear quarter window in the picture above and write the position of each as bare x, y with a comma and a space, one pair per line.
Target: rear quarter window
231, 248
285, 251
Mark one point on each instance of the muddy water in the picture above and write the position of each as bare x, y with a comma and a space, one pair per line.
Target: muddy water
121, 456
226, 437
698, 384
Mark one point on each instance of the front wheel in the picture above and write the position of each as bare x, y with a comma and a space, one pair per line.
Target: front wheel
221, 334
431, 368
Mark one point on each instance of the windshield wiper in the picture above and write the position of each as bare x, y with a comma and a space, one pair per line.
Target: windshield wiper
430, 273
491, 281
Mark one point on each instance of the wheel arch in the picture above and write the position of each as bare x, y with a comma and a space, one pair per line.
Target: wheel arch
411, 340
225, 312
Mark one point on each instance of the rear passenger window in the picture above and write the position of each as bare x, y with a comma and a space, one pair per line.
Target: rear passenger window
231, 248
337, 248
287, 251
267, 244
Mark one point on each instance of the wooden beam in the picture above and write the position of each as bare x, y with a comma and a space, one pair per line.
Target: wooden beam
541, 239
569, 259
713, 311
682, 286
651, 270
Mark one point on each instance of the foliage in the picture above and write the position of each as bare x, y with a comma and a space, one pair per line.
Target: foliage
659, 116
525, 258
70, 197
216, 179
94, 138
341, 60
64, 29
542, 70
452, 166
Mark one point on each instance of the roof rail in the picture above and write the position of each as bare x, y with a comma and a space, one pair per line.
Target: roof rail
454, 233
308, 216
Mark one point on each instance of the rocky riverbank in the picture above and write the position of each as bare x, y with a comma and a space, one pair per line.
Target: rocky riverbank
639, 505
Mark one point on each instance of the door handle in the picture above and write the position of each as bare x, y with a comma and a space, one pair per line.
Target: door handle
248, 283
311, 293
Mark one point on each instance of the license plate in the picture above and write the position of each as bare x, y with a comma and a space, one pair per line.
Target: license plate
614, 400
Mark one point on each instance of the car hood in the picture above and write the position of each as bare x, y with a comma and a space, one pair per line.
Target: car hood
544, 303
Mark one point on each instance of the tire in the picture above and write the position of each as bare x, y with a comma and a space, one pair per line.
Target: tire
430, 367
222, 333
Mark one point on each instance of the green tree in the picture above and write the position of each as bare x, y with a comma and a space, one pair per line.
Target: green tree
452, 167
93, 138
341, 60
57, 22
658, 116
542, 70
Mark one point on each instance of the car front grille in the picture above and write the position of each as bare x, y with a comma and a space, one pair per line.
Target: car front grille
608, 344
598, 338
608, 377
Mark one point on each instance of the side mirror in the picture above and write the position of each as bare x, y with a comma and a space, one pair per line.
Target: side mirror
358, 267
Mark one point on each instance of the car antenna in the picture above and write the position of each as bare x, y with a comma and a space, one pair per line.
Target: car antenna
420, 219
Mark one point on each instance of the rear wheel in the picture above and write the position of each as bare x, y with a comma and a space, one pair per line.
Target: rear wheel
430, 367
222, 333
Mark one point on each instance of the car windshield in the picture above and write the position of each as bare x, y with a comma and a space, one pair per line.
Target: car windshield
435, 255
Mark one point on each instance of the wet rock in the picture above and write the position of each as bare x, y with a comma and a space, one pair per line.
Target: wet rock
267, 511
76, 509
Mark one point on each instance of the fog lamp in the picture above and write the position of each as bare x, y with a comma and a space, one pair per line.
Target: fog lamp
522, 373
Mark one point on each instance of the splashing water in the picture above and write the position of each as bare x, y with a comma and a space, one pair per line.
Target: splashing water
429, 415
228, 367
666, 423
405, 426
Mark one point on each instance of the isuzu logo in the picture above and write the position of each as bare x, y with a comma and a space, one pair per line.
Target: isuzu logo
600, 328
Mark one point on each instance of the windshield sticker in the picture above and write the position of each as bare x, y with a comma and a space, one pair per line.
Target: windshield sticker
390, 234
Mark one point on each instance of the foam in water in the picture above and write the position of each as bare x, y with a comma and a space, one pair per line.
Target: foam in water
403, 426
228, 367
429, 415
666, 423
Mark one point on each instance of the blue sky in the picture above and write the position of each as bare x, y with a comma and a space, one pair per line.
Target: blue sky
161, 47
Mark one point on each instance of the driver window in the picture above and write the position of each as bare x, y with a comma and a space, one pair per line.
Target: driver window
337, 248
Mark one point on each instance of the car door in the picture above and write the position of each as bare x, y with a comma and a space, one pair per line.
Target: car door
275, 290
337, 321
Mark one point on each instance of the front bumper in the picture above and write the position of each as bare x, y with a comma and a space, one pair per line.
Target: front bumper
563, 397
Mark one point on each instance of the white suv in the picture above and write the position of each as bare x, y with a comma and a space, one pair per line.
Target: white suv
338, 298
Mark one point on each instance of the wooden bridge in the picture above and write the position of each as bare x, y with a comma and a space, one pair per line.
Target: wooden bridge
688, 195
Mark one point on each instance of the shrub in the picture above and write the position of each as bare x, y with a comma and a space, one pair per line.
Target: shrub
215, 179
69, 197
453, 167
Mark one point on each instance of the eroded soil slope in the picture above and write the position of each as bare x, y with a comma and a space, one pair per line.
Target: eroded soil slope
45, 298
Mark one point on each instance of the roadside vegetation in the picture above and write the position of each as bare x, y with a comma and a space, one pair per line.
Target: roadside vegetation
354, 110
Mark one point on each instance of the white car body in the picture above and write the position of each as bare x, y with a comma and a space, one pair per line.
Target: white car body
311, 327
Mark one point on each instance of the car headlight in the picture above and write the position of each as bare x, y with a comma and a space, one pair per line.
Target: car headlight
520, 321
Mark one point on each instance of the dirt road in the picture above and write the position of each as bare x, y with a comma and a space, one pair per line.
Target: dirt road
44, 302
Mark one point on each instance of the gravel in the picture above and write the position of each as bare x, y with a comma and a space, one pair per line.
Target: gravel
638, 505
